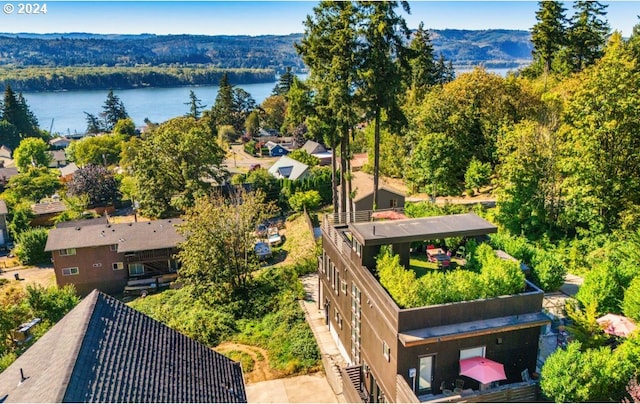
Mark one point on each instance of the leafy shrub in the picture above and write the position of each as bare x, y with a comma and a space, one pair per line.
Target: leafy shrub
7, 359
30, 247
477, 174
304, 157
309, 200
250, 147
497, 277
631, 302
548, 271
51, 303
600, 286
573, 375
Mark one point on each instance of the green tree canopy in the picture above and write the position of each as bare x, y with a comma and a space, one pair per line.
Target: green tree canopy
218, 256
174, 164
98, 150
32, 152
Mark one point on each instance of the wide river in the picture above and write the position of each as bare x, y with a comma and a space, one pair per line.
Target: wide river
64, 112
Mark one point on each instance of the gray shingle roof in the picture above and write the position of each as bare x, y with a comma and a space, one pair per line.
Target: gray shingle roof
130, 237
105, 351
286, 167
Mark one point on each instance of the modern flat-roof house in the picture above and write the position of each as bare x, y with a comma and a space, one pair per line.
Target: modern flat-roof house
115, 257
105, 351
413, 354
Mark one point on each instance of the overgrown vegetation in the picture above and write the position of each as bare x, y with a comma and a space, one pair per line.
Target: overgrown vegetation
19, 305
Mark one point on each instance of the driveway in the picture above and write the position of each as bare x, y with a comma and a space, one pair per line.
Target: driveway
312, 388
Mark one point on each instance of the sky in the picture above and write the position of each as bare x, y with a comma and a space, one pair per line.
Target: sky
265, 17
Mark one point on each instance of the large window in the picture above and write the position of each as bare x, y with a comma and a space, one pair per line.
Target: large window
67, 251
471, 352
136, 269
70, 271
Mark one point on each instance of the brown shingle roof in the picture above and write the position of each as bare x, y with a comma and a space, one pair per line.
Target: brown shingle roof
48, 207
105, 351
362, 183
129, 237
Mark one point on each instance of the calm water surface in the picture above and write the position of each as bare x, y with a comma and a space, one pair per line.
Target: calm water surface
66, 109
63, 111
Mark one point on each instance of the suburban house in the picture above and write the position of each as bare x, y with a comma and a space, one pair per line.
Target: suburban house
6, 173
275, 149
313, 147
105, 351
59, 142
289, 168
115, 257
45, 212
5, 156
317, 150
414, 354
362, 186
58, 158
66, 172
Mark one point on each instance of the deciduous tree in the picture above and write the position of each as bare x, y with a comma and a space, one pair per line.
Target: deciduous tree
31, 153
97, 183
175, 164
218, 256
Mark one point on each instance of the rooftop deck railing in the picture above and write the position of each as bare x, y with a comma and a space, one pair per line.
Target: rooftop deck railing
357, 216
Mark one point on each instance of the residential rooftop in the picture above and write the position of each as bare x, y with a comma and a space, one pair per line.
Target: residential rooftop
421, 229
105, 351
129, 237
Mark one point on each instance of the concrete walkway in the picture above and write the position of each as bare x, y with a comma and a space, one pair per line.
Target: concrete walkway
331, 357
312, 388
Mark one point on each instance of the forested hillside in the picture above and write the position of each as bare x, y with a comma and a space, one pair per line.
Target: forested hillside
505, 47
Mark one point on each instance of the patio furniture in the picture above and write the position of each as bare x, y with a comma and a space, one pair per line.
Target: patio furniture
482, 369
461, 252
459, 386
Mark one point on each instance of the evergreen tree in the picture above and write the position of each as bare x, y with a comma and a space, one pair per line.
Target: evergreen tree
222, 109
195, 106
588, 33
16, 112
329, 49
445, 72
94, 124
382, 53
548, 34
423, 67
113, 110
284, 83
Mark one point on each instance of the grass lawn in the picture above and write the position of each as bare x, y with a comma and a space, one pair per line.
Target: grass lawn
421, 265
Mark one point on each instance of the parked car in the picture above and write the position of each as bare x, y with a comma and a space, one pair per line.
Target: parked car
273, 236
263, 251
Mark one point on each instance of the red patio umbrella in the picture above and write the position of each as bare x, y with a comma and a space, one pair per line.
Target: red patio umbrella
615, 324
482, 369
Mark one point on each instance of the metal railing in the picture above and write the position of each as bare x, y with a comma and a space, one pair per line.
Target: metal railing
357, 216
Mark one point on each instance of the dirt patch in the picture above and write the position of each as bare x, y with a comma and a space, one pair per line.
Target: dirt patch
43, 276
261, 369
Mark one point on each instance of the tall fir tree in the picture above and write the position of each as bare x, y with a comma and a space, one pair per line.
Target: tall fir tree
284, 83
548, 35
329, 48
382, 52
422, 63
195, 106
113, 110
588, 33
16, 112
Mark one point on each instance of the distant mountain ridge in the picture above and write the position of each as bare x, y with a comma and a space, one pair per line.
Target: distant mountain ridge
492, 48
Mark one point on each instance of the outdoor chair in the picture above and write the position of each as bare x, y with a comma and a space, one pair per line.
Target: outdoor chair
459, 386
461, 252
